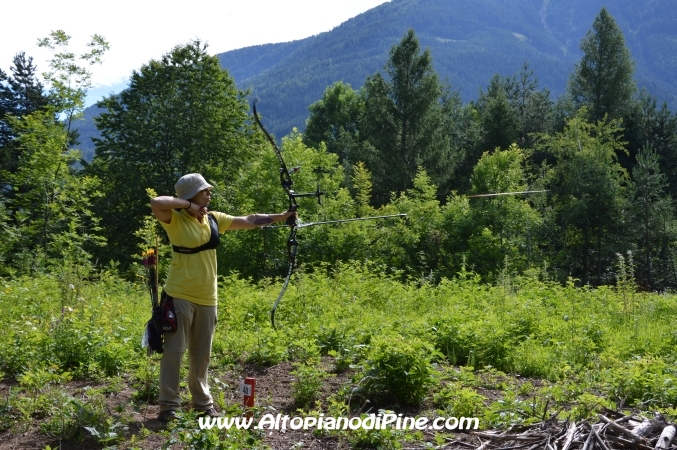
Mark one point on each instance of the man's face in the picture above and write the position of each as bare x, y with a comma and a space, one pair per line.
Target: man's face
203, 197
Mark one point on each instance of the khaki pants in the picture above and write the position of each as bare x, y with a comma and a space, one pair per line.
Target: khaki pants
194, 332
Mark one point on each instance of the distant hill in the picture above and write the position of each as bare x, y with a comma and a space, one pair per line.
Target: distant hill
469, 42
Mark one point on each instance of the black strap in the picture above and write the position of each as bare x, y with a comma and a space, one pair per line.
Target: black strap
213, 242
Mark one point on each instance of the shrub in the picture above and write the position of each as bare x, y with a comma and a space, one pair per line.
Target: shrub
475, 343
397, 370
306, 387
459, 401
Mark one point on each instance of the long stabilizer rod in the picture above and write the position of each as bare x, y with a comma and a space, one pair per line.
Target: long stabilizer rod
504, 193
310, 224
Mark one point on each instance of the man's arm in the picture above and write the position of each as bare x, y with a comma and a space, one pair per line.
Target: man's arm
258, 220
162, 207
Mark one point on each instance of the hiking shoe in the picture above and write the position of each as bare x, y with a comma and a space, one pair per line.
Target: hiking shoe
211, 412
167, 415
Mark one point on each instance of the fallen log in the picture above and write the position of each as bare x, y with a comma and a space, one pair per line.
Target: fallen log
666, 437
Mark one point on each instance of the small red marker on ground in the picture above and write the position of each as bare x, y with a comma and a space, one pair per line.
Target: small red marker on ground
248, 389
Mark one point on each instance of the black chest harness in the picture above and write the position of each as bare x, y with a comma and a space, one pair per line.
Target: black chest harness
213, 242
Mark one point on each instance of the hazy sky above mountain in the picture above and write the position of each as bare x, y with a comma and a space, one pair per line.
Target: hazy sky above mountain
141, 30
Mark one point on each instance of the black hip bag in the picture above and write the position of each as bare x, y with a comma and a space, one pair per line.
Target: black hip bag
163, 320
164, 315
214, 240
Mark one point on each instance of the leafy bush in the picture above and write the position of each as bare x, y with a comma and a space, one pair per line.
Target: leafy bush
459, 401
306, 387
397, 370
269, 349
146, 381
474, 343
647, 381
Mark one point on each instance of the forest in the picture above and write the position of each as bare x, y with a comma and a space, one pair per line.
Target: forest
602, 155
540, 241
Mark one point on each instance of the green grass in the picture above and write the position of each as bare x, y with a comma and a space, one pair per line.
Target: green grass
454, 348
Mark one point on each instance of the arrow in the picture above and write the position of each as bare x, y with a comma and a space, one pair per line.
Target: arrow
504, 193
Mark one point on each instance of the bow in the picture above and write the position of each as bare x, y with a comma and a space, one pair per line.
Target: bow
293, 222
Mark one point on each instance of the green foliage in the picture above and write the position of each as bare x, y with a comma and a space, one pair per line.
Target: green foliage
404, 121
499, 120
653, 213
146, 381
181, 114
512, 410
50, 206
645, 381
397, 370
401, 338
458, 401
306, 387
20, 94
588, 196
68, 81
476, 345
484, 232
648, 125
334, 120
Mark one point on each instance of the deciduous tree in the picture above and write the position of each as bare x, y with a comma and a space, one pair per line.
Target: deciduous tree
51, 206
180, 114
334, 120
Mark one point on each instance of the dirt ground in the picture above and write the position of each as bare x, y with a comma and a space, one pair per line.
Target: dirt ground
273, 391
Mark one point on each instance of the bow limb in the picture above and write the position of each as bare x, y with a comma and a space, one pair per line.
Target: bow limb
286, 183
285, 178
292, 247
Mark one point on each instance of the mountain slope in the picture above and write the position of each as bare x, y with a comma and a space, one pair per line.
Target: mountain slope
469, 42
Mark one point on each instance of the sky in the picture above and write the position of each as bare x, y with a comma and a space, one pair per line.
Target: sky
141, 30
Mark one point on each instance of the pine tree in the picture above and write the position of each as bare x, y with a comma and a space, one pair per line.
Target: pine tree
499, 120
533, 108
588, 195
603, 79
647, 124
405, 122
20, 95
653, 213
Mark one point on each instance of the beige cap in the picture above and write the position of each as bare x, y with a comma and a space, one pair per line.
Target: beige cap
190, 185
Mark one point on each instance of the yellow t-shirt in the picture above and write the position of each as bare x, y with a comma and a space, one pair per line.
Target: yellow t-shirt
193, 276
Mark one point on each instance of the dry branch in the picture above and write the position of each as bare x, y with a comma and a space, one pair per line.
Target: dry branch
606, 434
